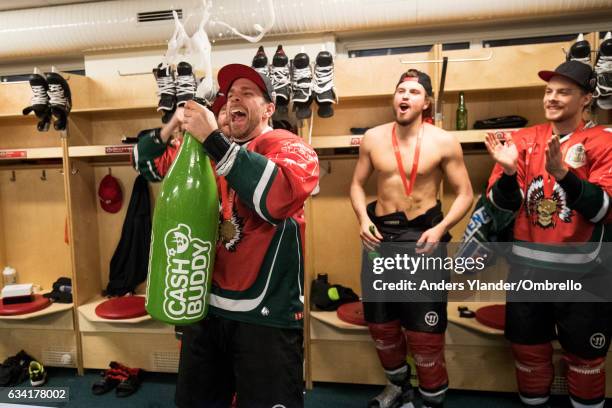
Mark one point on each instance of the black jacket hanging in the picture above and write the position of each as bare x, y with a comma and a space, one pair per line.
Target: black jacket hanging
130, 262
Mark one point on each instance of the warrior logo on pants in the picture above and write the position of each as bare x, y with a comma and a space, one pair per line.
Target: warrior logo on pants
431, 318
598, 340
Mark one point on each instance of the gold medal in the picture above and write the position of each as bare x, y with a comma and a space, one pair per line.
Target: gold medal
227, 230
408, 202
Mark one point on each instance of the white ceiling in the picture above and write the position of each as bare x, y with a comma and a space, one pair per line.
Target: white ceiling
23, 4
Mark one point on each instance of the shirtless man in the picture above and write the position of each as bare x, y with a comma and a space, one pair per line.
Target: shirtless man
407, 210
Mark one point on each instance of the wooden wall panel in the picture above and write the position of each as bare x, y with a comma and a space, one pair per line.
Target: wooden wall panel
110, 127
143, 350
374, 76
20, 132
33, 214
509, 67
335, 227
47, 346
350, 113
83, 200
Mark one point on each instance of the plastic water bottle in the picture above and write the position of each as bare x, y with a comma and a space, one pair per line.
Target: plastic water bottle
9, 276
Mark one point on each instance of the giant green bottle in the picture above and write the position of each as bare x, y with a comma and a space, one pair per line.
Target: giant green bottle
185, 225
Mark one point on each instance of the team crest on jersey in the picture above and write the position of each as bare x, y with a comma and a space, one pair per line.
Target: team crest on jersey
230, 232
576, 156
544, 211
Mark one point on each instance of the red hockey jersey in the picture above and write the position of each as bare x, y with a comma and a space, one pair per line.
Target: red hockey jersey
544, 216
259, 272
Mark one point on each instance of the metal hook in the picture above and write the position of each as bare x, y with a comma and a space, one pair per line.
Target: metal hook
325, 170
132, 73
439, 61
54, 69
43, 176
74, 171
13, 178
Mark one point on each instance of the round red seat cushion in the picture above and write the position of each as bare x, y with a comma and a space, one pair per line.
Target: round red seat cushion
352, 313
124, 307
38, 303
492, 316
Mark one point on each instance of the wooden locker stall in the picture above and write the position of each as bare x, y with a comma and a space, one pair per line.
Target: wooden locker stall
33, 217
505, 84
117, 107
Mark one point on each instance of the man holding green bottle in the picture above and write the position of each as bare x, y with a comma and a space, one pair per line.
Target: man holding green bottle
251, 341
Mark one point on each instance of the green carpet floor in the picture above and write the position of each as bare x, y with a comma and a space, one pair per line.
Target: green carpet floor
157, 391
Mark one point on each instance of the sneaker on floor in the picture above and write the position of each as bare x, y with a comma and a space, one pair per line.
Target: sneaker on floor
281, 81
40, 102
301, 85
166, 91
38, 375
14, 370
323, 87
580, 51
260, 62
60, 99
186, 83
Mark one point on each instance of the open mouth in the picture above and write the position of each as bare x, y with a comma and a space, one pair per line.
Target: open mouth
238, 114
403, 107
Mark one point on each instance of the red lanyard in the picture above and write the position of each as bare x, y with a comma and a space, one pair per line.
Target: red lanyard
415, 160
227, 199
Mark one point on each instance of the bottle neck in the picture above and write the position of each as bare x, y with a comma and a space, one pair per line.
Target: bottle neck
461, 99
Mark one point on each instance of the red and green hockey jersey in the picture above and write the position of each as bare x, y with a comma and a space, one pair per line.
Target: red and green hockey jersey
546, 217
259, 272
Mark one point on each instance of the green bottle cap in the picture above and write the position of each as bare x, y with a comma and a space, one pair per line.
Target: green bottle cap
373, 255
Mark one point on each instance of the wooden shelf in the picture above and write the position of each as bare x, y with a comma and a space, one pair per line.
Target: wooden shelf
89, 321
88, 311
327, 142
31, 153
100, 150
344, 141
51, 309
331, 318
471, 323
478, 135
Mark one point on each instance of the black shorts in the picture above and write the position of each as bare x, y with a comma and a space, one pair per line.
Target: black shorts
583, 329
419, 316
220, 357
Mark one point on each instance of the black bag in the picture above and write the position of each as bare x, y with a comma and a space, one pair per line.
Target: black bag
130, 262
504, 122
330, 297
14, 370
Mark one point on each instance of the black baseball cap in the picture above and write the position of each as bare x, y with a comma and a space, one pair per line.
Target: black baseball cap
578, 72
421, 77
230, 73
